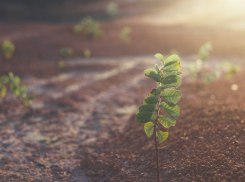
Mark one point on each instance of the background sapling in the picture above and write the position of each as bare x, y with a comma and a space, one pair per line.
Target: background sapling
8, 49
124, 35
12, 83
204, 51
66, 51
112, 10
89, 27
229, 68
163, 97
201, 72
197, 70
87, 53
61, 63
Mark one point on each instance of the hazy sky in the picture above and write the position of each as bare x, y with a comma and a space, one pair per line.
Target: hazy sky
221, 13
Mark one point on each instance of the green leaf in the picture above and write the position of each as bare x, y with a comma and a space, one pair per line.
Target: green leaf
154, 92
148, 127
3, 90
23, 96
17, 80
172, 73
152, 99
159, 56
138, 111
162, 136
25, 103
5, 79
147, 108
171, 58
23, 88
171, 81
145, 117
11, 75
172, 63
171, 95
171, 109
153, 75
172, 66
12, 87
157, 68
16, 92
30, 97
167, 121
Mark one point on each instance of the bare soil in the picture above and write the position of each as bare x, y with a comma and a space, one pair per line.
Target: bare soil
82, 126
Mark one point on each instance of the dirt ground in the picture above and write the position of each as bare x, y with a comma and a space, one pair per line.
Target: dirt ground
82, 127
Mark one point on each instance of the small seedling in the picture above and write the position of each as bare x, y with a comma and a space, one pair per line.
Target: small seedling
124, 35
229, 69
112, 10
89, 27
61, 63
210, 77
197, 70
8, 49
154, 124
66, 51
204, 51
13, 83
87, 53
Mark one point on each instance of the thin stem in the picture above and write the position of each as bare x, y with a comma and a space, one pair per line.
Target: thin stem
157, 155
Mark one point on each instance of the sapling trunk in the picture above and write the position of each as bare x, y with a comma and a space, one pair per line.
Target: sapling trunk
155, 131
148, 113
157, 155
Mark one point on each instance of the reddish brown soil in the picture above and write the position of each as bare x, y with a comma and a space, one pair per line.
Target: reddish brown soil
38, 45
88, 132
82, 140
207, 143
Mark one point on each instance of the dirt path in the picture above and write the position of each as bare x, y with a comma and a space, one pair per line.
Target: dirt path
79, 121
83, 126
71, 111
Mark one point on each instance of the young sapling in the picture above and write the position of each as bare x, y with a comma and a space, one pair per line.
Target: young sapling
163, 97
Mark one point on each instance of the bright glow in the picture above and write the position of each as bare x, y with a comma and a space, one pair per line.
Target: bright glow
234, 87
214, 13
199, 62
